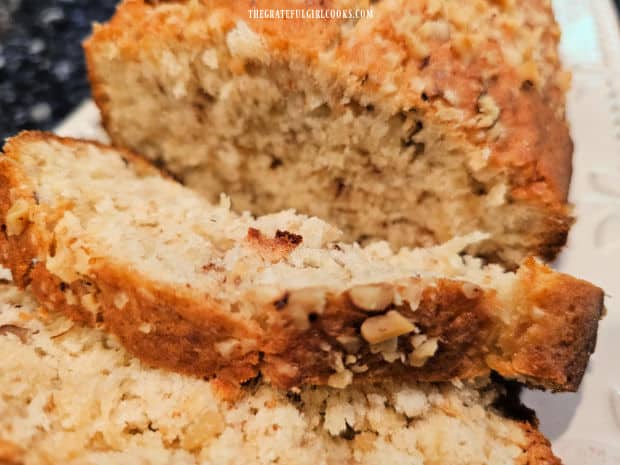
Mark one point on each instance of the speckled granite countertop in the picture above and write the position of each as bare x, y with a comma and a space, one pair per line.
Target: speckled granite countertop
42, 75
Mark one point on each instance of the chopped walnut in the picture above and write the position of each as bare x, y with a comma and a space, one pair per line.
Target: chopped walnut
359, 368
372, 297
423, 349
145, 328
120, 300
341, 379
226, 347
388, 350
411, 294
389, 345
383, 327
17, 217
489, 111
336, 362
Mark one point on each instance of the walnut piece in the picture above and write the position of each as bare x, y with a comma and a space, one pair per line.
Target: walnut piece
380, 328
226, 347
341, 379
372, 297
423, 349
17, 217
489, 111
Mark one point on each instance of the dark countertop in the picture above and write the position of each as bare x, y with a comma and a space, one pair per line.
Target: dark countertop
42, 75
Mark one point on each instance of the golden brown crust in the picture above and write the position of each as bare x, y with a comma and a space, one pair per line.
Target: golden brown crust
10, 454
535, 148
183, 346
559, 347
538, 450
555, 348
463, 324
13, 187
181, 329
150, 325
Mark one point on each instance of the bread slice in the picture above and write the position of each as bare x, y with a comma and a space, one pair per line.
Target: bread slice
72, 395
428, 120
197, 288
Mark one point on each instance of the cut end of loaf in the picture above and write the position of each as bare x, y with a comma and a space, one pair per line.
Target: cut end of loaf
379, 140
195, 287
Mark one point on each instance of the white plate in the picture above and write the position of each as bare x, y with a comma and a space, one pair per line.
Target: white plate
584, 427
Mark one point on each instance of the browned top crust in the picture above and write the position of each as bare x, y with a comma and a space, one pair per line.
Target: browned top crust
503, 50
544, 334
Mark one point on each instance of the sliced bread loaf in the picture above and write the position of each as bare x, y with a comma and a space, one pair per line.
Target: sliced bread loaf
197, 288
72, 395
428, 120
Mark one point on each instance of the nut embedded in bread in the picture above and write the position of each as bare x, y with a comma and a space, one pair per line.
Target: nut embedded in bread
430, 119
195, 287
72, 395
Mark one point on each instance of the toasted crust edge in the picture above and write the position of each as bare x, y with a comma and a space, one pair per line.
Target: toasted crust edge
573, 308
538, 450
191, 351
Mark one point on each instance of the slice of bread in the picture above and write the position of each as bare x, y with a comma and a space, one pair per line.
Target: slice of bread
197, 288
429, 120
72, 395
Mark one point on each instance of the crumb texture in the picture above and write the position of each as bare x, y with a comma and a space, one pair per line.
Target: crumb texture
429, 120
73, 395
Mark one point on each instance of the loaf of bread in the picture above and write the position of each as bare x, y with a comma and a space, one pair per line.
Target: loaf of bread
430, 119
72, 395
195, 287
